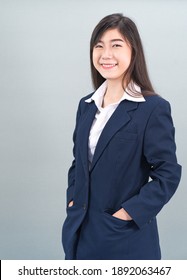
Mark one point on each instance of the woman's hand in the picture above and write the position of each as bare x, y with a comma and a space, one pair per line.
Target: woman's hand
122, 215
70, 203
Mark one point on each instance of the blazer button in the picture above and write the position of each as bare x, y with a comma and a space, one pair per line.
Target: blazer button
84, 206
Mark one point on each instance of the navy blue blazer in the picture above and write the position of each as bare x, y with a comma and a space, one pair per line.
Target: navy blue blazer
134, 167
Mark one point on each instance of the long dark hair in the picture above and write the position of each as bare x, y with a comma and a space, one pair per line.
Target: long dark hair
137, 70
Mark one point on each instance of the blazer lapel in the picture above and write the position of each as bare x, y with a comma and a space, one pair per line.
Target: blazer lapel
118, 119
84, 131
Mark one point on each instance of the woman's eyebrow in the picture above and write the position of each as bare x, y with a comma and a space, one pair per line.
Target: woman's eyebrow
112, 40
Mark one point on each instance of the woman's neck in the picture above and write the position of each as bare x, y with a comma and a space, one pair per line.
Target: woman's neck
114, 93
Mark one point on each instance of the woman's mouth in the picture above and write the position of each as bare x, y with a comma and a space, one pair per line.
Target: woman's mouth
108, 65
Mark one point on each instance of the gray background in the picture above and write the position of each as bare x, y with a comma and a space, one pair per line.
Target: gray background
44, 71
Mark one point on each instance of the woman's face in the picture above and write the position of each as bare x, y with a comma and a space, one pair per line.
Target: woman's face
112, 55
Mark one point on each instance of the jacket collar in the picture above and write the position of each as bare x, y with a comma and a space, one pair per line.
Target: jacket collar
132, 93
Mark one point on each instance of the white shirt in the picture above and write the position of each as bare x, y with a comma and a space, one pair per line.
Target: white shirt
104, 114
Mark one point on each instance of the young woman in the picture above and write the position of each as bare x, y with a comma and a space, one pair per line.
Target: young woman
125, 168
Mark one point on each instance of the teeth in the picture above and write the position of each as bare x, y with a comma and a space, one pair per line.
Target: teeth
108, 65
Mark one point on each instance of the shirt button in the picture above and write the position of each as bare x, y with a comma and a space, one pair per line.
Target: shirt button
84, 206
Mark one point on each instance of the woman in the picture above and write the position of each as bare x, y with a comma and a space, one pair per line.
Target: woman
125, 168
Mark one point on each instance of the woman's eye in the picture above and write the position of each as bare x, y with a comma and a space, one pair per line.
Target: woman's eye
98, 46
116, 46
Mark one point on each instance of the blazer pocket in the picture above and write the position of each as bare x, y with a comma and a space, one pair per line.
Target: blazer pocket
109, 213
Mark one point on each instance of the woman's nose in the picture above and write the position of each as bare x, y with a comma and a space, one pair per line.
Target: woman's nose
107, 53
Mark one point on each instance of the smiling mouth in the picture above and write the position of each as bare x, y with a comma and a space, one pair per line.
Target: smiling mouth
108, 66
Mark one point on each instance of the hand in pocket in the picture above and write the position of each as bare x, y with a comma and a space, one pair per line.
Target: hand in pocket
70, 203
122, 215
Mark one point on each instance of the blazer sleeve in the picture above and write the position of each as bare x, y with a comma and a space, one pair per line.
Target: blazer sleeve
160, 152
71, 172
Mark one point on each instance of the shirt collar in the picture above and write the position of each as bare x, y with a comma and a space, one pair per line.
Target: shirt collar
128, 94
